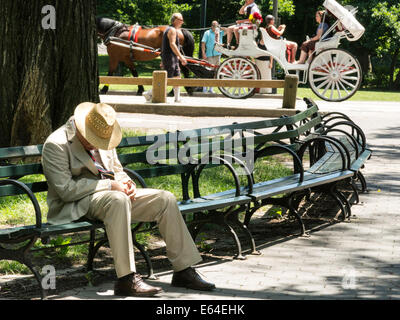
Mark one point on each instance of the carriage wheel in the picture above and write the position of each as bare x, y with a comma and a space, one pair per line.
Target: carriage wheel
237, 68
335, 75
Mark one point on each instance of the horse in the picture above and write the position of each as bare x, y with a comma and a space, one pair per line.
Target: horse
151, 37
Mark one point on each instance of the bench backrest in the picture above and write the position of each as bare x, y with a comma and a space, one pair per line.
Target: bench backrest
173, 152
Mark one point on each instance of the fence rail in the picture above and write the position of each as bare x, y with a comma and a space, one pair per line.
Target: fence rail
159, 81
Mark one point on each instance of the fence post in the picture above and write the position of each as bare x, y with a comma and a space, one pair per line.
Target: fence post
159, 86
290, 91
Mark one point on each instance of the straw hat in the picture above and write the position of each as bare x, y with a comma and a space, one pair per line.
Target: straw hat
97, 123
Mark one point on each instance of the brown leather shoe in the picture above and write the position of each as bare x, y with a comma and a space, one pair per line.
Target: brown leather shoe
190, 279
133, 285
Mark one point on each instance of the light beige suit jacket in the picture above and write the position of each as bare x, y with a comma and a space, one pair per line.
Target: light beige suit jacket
72, 176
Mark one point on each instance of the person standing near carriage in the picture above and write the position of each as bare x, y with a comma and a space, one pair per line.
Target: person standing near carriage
171, 54
207, 46
170, 51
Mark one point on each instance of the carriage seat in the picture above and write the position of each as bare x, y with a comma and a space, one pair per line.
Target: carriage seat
329, 43
277, 47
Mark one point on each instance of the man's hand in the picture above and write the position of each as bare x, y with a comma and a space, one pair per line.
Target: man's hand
183, 61
128, 187
118, 186
131, 189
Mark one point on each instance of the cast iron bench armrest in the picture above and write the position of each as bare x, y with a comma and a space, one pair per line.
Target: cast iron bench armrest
135, 176
29, 193
200, 166
346, 151
360, 133
335, 116
250, 178
351, 137
298, 166
306, 144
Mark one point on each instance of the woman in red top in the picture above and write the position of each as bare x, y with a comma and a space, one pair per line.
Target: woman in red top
276, 33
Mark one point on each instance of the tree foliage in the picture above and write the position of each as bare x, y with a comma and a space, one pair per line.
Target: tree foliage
149, 12
381, 40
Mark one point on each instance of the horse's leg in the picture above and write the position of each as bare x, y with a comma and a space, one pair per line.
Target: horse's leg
135, 74
112, 66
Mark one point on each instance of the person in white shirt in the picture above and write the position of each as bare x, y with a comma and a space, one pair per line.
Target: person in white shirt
249, 8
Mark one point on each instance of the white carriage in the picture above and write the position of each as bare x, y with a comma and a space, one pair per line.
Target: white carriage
333, 74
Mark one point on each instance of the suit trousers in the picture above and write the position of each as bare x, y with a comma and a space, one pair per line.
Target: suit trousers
118, 211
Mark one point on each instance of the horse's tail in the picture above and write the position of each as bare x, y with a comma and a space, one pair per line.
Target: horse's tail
188, 44
188, 49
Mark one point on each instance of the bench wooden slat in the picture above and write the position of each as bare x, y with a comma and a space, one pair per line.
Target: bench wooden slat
47, 230
291, 184
11, 190
197, 205
20, 152
20, 170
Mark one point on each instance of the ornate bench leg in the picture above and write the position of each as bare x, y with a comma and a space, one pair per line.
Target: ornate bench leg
295, 213
234, 236
362, 181
22, 255
247, 232
249, 214
333, 193
346, 203
355, 191
91, 253
195, 228
27, 261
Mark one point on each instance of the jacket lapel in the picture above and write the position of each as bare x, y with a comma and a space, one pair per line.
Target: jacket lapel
106, 156
77, 149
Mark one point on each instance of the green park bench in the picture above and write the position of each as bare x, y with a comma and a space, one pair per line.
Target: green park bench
333, 158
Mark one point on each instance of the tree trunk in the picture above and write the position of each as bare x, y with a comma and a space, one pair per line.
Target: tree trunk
45, 73
393, 67
396, 85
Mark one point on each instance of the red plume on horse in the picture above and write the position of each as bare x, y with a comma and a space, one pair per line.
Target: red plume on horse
150, 37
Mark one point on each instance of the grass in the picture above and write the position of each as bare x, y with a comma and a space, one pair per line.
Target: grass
17, 210
145, 69
360, 95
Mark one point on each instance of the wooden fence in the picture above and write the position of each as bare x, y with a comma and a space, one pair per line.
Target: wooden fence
160, 82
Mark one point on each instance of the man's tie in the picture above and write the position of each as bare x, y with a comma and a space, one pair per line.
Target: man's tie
104, 174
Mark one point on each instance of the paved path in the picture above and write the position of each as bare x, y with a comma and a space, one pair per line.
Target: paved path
360, 259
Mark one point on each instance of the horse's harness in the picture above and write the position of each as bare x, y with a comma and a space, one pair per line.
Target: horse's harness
133, 37
112, 31
119, 27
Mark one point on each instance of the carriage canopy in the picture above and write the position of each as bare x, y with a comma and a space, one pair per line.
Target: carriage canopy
346, 18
